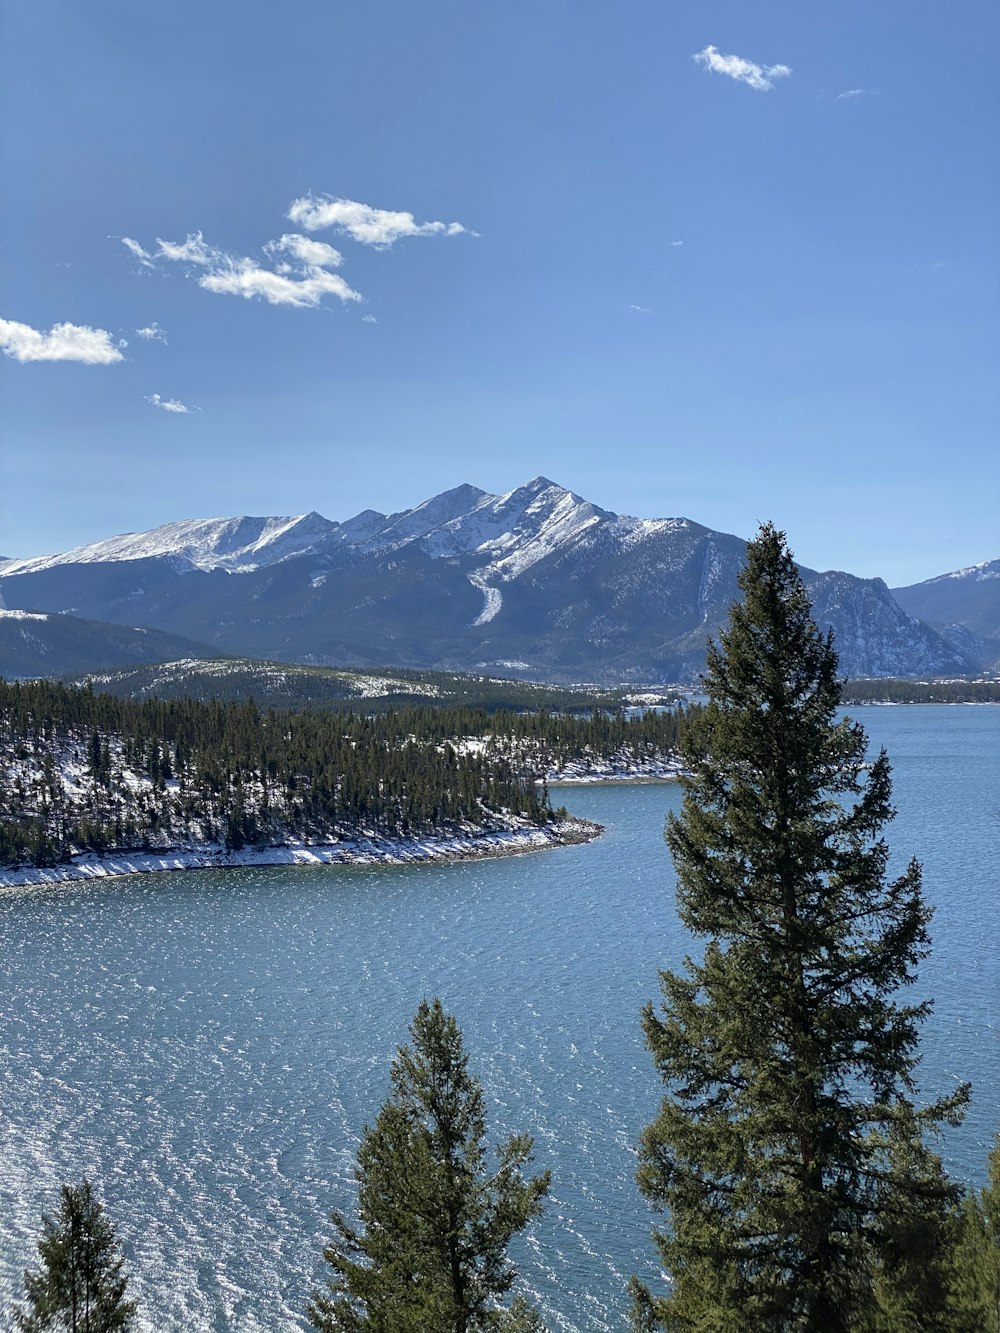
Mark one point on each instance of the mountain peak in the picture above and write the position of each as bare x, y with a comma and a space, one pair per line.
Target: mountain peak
569, 588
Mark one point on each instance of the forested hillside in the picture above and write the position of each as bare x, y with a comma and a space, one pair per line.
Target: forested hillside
293, 685
82, 771
922, 691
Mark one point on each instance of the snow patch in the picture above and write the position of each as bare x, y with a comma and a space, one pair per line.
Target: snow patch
492, 598
235, 544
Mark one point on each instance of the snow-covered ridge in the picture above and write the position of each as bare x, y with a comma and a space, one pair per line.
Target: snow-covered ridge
22, 615
510, 533
235, 544
988, 569
515, 530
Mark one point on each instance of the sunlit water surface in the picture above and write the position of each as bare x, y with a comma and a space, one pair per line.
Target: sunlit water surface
208, 1045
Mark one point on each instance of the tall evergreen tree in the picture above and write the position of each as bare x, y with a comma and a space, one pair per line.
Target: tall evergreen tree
80, 1286
430, 1255
778, 1151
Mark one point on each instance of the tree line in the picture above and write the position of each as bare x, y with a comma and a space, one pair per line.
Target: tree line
922, 692
85, 771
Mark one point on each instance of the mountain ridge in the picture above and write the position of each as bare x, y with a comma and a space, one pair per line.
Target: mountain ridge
536, 580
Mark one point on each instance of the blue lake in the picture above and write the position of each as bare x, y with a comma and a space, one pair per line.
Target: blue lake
208, 1045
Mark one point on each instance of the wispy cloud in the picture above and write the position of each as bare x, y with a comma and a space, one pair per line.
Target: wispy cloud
301, 280
296, 270
168, 404
192, 250
642, 309
152, 333
368, 319
63, 342
243, 277
380, 227
136, 251
760, 77
850, 93
675, 244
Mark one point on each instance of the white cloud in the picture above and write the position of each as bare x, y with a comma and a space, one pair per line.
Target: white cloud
760, 77
137, 251
243, 277
152, 333
856, 92
167, 404
642, 309
676, 243
302, 283
380, 227
368, 319
63, 342
193, 250
317, 254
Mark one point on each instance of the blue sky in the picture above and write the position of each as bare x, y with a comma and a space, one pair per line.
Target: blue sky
730, 261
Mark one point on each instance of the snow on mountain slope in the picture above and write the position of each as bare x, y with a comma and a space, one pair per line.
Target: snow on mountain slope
530, 519
236, 544
969, 598
412, 524
536, 575
512, 532
492, 599
989, 569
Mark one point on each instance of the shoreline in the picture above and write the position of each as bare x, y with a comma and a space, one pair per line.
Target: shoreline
614, 772
616, 780
480, 846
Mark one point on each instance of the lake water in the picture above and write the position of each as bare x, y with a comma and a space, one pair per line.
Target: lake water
208, 1045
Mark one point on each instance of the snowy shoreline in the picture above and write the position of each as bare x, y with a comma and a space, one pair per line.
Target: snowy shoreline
349, 851
613, 771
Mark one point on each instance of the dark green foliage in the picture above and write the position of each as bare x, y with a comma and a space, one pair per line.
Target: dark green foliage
974, 1286
430, 1252
229, 773
787, 1153
921, 691
80, 1286
913, 1259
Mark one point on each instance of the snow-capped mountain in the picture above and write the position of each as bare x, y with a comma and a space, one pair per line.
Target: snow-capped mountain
538, 582
969, 598
235, 544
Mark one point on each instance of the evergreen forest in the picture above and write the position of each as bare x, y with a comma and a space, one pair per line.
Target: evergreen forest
890, 691
82, 771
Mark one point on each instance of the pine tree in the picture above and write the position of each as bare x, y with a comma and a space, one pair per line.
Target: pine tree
81, 1284
777, 1153
430, 1255
974, 1287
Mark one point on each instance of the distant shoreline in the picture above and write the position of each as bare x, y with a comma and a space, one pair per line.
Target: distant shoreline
347, 852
